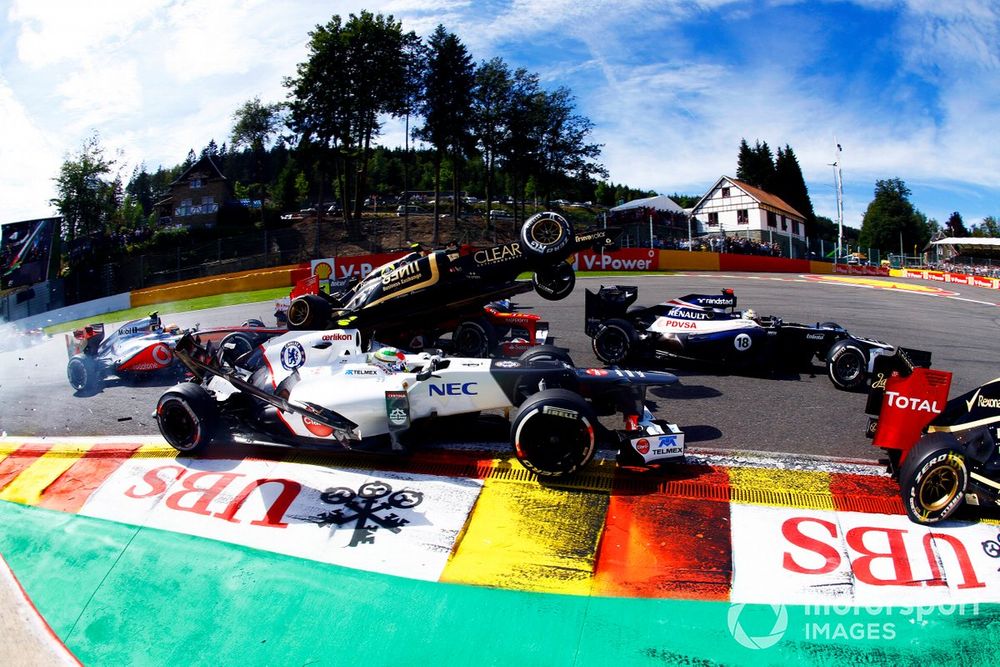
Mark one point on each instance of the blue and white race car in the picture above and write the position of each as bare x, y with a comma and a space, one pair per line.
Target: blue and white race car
706, 329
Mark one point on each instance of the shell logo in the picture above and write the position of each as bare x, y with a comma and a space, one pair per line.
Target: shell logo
323, 270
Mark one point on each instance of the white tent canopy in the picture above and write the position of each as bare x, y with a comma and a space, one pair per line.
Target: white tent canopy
969, 241
660, 203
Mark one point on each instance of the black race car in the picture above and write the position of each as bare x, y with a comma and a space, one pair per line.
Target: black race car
707, 329
426, 294
943, 452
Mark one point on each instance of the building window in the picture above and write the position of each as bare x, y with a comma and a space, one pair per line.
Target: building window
208, 200
784, 224
742, 217
725, 192
795, 227
713, 219
772, 219
196, 183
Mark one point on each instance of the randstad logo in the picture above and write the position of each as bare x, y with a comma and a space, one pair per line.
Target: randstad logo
757, 618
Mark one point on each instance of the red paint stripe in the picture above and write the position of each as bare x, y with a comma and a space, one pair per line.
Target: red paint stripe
71, 489
873, 494
656, 545
19, 460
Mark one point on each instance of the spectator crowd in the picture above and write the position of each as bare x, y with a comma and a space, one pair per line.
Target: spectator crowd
739, 245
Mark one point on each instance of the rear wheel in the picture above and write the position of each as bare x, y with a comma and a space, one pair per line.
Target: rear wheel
309, 311
187, 416
254, 322
933, 479
848, 368
554, 283
613, 342
474, 338
553, 433
545, 234
82, 372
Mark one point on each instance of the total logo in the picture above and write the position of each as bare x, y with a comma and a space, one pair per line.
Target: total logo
453, 389
896, 400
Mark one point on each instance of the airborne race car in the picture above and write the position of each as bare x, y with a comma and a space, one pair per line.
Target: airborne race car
427, 295
706, 328
943, 452
142, 347
320, 389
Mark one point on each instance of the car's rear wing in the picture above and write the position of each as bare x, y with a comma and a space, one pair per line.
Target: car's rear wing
607, 303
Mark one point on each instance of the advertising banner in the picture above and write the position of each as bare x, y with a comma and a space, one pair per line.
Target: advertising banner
626, 259
24, 252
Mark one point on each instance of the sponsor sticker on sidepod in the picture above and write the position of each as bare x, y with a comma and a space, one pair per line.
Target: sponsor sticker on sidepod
655, 447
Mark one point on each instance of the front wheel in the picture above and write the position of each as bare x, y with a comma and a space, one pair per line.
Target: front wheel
847, 368
545, 353
933, 479
554, 283
553, 433
613, 342
187, 416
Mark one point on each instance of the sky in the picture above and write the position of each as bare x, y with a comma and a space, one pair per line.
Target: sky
908, 88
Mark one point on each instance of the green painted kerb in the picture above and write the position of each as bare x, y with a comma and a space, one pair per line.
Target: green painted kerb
118, 594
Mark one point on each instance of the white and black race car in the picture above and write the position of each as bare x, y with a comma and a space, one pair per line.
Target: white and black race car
320, 389
707, 329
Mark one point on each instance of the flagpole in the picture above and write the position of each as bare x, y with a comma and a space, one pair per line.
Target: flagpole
839, 179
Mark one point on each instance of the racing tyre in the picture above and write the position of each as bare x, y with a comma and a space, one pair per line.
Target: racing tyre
474, 338
555, 283
848, 368
254, 322
545, 234
82, 372
553, 433
614, 341
187, 416
309, 312
242, 345
933, 479
546, 353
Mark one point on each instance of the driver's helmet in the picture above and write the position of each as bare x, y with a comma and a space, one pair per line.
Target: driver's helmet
749, 314
389, 359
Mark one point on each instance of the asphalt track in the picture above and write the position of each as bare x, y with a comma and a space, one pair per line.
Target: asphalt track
796, 413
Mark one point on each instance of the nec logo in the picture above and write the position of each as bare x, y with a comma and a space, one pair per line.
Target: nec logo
453, 389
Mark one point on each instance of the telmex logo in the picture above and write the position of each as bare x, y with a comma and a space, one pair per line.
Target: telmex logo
908, 403
452, 389
338, 336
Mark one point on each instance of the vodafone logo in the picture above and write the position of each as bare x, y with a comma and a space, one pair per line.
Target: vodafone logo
161, 354
897, 400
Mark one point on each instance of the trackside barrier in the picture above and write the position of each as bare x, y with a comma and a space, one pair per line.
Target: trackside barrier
947, 277
858, 270
243, 281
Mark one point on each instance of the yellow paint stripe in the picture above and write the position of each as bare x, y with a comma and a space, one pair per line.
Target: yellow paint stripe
159, 450
804, 489
529, 537
27, 487
6, 448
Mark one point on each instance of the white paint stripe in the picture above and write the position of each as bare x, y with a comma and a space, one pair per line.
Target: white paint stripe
816, 557
399, 524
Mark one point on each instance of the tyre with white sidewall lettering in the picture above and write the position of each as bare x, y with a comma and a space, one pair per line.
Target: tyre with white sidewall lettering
545, 234
553, 433
187, 416
933, 479
848, 368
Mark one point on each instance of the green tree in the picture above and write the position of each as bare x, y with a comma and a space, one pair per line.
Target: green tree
355, 73
789, 184
254, 125
447, 108
490, 99
88, 190
755, 166
988, 228
562, 149
955, 227
890, 222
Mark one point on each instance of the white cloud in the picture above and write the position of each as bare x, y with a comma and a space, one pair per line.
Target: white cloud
28, 162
